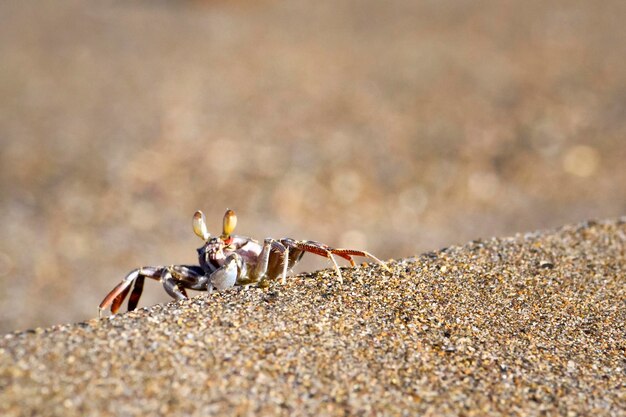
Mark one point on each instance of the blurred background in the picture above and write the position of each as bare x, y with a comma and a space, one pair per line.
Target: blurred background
397, 127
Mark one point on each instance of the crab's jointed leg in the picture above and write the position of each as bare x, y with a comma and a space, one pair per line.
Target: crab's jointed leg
178, 276
136, 294
328, 252
172, 286
316, 248
263, 269
117, 295
348, 253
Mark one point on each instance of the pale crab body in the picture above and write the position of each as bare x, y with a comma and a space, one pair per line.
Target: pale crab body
225, 261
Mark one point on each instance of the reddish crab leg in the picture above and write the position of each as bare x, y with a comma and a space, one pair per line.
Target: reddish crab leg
136, 294
117, 295
317, 249
117, 301
328, 252
174, 279
345, 253
111, 298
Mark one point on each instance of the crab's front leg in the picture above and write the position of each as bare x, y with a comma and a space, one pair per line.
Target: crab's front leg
173, 285
174, 278
116, 296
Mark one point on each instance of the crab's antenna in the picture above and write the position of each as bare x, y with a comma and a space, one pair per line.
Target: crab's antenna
199, 226
230, 222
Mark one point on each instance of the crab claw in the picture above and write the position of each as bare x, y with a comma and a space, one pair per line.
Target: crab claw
226, 276
199, 226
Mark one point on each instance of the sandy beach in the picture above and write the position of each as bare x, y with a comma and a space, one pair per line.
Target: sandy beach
523, 326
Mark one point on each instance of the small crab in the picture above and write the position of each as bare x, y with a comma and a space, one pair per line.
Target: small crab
225, 261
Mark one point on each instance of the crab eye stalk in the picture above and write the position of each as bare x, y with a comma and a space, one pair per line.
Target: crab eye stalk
199, 226
230, 221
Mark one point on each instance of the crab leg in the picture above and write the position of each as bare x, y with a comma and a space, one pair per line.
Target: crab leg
285, 260
348, 253
261, 269
115, 298
171, 286
117, 301
318, 249
328, 252
136, 294
190, 276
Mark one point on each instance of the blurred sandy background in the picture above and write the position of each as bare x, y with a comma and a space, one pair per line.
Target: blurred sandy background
398, 127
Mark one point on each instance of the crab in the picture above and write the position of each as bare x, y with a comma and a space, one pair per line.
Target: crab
226, 261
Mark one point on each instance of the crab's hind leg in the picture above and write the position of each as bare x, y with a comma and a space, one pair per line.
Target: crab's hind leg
317, 249
348, 253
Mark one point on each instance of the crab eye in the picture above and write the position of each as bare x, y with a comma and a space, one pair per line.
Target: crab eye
230, 221
199, 226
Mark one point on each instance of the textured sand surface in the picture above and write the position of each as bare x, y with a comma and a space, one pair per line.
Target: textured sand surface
529, 325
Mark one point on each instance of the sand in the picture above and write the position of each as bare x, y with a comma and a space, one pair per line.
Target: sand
527, 325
